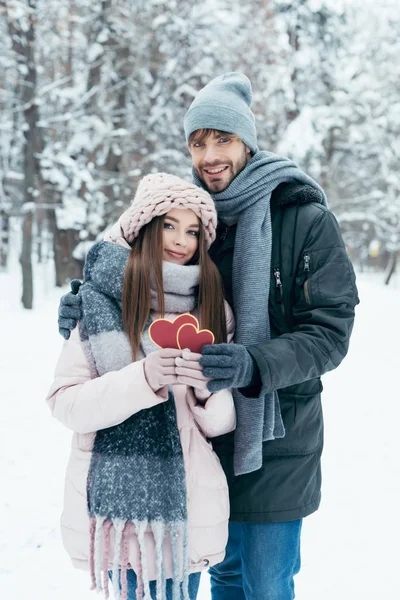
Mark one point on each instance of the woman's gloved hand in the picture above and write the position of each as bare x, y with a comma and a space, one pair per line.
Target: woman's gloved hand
159, 368
190, 372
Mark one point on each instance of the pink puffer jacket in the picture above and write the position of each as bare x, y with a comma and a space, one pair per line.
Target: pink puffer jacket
86, 405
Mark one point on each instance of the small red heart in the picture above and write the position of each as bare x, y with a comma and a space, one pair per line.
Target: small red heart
164, 333
190, 337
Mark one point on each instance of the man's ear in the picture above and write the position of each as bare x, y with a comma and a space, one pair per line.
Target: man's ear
248, 151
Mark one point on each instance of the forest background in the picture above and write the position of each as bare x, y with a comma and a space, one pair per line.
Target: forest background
93, 94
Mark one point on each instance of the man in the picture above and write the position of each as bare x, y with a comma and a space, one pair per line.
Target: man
286, 274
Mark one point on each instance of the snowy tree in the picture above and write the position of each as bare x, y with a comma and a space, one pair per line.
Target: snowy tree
93, 97
144, 65
367, 149
20, 18
315, 34
346, 126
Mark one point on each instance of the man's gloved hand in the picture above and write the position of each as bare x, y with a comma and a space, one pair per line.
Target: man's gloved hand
159, 368
228, 366
69, 311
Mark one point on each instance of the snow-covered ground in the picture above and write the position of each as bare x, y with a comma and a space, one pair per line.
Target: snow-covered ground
350, 546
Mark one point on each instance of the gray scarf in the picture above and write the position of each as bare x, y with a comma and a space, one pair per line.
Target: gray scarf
136, 479
248, 197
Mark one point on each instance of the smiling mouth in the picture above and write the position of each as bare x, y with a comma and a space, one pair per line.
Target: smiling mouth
215, 172
175, 254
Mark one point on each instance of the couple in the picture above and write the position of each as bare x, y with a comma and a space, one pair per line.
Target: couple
146, 502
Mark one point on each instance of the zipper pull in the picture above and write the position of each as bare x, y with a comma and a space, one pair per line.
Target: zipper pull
307, 262
278, 285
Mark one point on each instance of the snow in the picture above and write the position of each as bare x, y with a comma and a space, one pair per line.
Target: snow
349, 548
301, 136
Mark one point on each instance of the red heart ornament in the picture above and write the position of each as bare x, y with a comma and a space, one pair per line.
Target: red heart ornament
164, 333
190, 337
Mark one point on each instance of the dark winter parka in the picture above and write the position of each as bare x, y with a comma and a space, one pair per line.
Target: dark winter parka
311, 308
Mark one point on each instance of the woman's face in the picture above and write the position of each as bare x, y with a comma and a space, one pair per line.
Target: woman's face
180, 235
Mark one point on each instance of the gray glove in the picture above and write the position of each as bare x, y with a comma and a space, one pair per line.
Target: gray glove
228, 366
69, 311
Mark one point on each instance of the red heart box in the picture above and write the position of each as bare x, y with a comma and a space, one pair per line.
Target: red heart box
190, 337
164, 333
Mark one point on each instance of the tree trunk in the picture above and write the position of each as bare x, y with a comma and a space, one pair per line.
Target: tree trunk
23, 42
64, 243
391, 268
26, 261
4, 239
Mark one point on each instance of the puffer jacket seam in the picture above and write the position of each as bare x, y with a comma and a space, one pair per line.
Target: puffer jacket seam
315, 222
331, 248
292, 454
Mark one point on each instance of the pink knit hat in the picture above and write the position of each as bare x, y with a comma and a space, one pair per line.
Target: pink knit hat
159, 193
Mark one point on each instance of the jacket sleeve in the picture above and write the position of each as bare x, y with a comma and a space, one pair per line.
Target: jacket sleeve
86, 405
324, 299
217, 416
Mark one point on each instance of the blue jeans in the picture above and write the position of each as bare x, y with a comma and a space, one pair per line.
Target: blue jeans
260, 563
194, 582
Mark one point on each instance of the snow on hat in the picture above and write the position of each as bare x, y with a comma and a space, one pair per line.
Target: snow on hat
159, 193
224, 104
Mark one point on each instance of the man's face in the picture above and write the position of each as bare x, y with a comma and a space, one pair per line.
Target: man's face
218, 158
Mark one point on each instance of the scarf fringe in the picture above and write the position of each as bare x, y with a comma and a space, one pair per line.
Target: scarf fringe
139, 576
98, 550
141, 527
175, 563
100, 535
185, 556
119, 525
125, 559
106, 554
158, 530
91, 552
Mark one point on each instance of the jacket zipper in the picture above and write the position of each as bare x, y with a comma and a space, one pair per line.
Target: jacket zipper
279, 289
307, 270
224, 233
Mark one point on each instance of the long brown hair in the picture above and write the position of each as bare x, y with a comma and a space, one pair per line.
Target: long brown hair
145, 259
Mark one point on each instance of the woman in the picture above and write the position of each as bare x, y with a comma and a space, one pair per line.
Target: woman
146, 499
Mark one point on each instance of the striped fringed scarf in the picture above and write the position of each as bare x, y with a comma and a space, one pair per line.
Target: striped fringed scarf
136, 481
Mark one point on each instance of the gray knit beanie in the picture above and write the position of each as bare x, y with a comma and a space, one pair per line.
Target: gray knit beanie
224, 104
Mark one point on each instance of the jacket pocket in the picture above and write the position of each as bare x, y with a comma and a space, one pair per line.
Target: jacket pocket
326, 279
335, 281
303, 420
